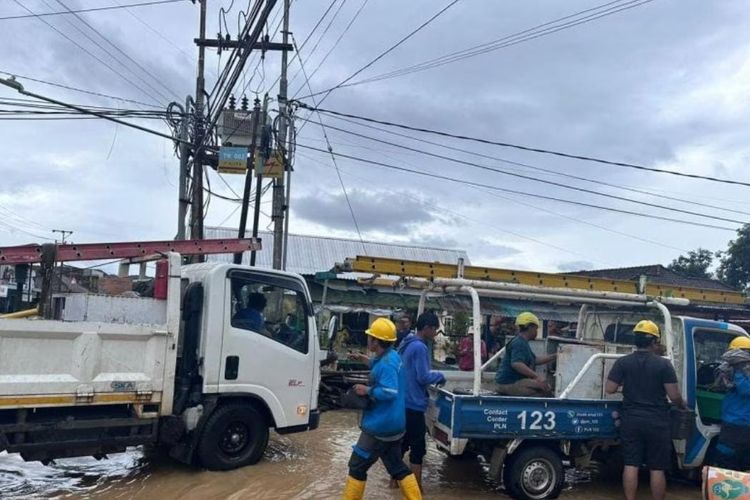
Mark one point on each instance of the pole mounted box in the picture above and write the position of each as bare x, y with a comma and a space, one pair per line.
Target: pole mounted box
235, 128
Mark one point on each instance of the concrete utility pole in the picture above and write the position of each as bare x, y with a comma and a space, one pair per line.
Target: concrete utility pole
279, 198
249, 177
183, 200
196, 213
63, 234
258, 191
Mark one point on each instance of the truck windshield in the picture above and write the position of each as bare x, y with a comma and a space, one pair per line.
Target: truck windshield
709, 346
270, 310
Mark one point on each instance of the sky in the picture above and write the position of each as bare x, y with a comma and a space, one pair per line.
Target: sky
663, 84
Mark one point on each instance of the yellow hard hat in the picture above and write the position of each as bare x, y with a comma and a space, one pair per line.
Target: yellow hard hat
648, 327
527, 318
382, 329
740, 342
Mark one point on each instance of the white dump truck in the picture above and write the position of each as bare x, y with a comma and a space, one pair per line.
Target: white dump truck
228, 353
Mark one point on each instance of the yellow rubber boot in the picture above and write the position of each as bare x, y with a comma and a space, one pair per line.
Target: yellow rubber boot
410, 488
354, 489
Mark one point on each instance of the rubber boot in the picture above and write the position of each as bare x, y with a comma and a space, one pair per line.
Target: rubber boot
409, 488
417, 471
354, 489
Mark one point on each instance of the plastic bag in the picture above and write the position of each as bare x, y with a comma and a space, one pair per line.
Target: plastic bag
354, 401
724, 484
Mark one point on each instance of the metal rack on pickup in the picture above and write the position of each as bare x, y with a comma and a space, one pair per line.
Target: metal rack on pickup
432, 270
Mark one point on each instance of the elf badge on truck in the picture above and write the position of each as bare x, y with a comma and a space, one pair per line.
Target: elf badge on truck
227, 353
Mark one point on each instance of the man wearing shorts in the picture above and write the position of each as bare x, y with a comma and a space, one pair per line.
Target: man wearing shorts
646, 380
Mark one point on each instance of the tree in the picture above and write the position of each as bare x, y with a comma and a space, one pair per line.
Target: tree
461, 322
695, 264
734, 267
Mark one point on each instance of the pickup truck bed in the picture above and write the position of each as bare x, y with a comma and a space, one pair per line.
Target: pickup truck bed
496, 417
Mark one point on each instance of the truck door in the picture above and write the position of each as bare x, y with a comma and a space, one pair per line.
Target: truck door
267, 347
705, 342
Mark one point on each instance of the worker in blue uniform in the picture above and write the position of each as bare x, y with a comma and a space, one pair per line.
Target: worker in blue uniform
383, 423
733, 448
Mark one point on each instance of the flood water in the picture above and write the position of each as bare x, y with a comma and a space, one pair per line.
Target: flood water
310, 465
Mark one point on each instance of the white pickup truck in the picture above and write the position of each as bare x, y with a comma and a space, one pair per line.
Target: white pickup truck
230, 353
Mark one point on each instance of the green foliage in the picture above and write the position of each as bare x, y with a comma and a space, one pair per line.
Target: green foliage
695, 264
734, 266
461, 322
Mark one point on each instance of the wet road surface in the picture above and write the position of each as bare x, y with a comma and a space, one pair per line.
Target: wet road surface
310, 465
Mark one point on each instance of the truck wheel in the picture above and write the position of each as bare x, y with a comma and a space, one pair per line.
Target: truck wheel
234, 436
534, 473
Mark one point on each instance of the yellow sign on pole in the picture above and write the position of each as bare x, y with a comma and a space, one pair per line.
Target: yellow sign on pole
273, 166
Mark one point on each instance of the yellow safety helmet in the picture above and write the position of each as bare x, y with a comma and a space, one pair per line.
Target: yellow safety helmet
648, 327
382, 329
527, 318
740, 342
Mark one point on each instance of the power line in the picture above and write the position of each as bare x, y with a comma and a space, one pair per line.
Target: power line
523, 193
20, 218
92, 9
333, 157
157, 32
380, 56
541, 169
513, 39
74, 89
583, 221
524, 148
320, 39
35, 104
11, 83
385, 52
458, 214
10, 228
307, 38
121, 51
577, 220
336, 43
97, 58
535, 179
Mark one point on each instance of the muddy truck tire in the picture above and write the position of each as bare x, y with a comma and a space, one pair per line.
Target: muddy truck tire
234, 436
534, 473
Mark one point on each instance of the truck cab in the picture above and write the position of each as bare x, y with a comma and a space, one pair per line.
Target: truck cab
205, 372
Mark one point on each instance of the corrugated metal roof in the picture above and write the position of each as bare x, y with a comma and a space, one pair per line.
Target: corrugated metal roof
312, 254
658, 274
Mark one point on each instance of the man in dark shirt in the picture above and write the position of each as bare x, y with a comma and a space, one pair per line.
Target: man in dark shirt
646, 380
404, 329
516, 375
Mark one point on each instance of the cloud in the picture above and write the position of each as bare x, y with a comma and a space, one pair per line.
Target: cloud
572, 266
387, 211
437, 240
661, 85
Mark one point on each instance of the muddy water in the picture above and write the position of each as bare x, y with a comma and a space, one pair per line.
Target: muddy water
305, 466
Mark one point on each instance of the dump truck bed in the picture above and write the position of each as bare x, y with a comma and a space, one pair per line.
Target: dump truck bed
119, 360
54, 363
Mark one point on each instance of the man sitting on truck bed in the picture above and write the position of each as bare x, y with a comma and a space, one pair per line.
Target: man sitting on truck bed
647, 379
516, 375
